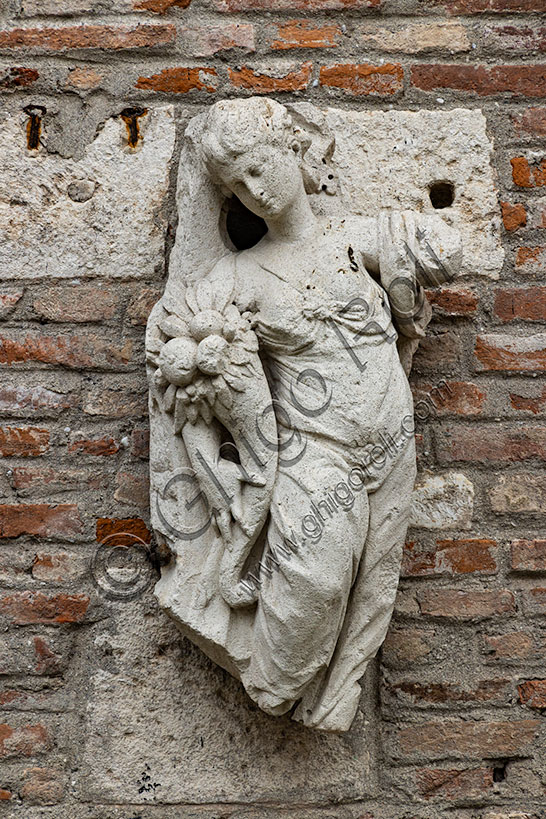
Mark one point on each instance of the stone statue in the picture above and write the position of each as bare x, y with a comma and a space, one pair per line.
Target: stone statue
282, 446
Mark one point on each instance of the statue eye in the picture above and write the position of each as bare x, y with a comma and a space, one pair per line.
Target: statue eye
255, 171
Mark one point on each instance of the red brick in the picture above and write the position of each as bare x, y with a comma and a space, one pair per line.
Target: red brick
141, 305
528, 555
23, 442
305, 34
23, 398
460, 784
465, 556
122, 531
491, 6
364, 79
39, 519
513, 216
517, 38
27, 740
458, 738
536, 213
57, 567
448, 398
534, 600
75, 352
84, 78
5, 795
511, 353
48, 661
267, 82
205, 41
28, 608
94, 446
521, 303
408, 645
34, 8
533, 693
180, 80
76, 304
35, 656
160, 6
466, 605
531, 260
437, 352
39, 480
453, 301
525, 175
140, 443
527, 80
490, 442
515, 646
133, 489
47, 699
530, 121
231, 6
119, 402
17, 77
416, 692
43, 786
67, 38
529, 403
9, 300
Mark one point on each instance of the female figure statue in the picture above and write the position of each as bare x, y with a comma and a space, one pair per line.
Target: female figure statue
278, 394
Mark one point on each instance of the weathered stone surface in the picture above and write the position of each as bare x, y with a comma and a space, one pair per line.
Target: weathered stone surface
210, 742
117, 231
443, 501
389, 159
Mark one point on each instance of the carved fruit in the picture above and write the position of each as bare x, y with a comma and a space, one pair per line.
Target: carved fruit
206, 323
177, 360
211, 355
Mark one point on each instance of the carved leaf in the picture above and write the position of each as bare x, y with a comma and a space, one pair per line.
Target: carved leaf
204, 295
182, 414
234, 380
205, 411
222, 294
192, 414
170, 396
191, 300
250, 342
239, 355
174, 327
154, 345
223, 393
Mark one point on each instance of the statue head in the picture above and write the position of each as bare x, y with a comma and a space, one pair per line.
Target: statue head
252, 148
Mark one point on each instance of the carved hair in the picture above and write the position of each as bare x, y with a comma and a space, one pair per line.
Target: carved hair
235, 126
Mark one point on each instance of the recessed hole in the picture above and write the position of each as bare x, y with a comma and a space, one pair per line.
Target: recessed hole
499, 772
34, 125
441, 194
244, 228
130, 116
228, 450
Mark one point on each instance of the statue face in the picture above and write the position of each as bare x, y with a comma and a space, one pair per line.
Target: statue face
266, 179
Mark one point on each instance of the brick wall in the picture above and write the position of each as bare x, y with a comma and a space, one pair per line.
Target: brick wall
462, 681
